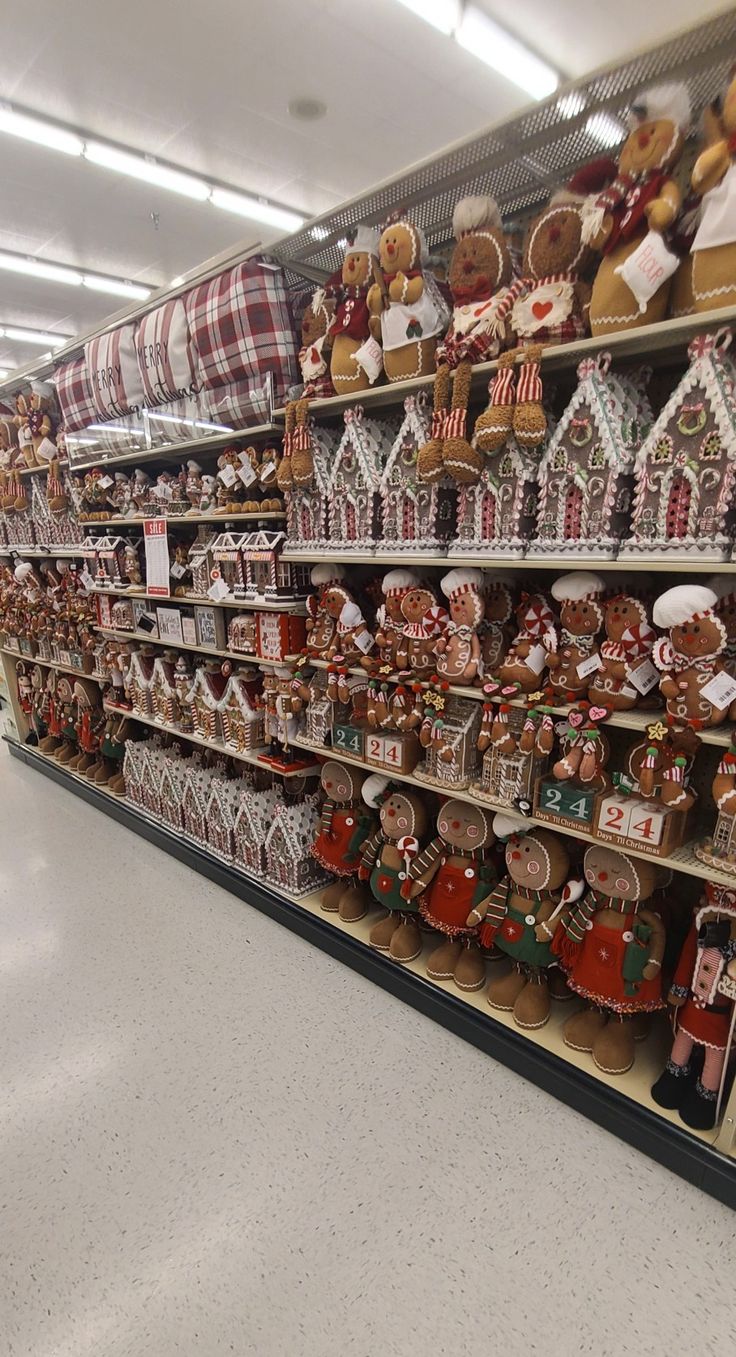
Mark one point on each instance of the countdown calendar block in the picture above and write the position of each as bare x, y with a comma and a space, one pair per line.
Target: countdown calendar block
398, 752
639, 822
565, 805
348, 739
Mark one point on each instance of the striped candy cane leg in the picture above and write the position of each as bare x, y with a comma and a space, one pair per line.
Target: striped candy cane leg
493, 426
530, 421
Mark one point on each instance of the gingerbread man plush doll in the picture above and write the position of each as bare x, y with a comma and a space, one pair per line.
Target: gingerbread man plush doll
386, 862
573, 663
345, 823
691, 658
408, 302
355, 364
459, 648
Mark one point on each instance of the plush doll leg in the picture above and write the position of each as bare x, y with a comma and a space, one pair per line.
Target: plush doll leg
463, 462
532, 1008
724, 785
486, 726
673, 786
406, 943
558, 986
528, 737
443, 960
698, 1107
285, 474
493, 426
676, 1078
381, 933
503, 992
613, 1049
331, 896
116, 785
429, 458
569, 765
355, 902
545, 741
302, 458
582, 1029
470, 969
530, 421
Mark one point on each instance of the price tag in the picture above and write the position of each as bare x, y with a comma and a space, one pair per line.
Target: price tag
536, 659
86, 579
155, 536
227, 474
589, 666
218, 590
105, 482
267, 470
720, 690
370, 357
364, 641
644, 677
247, 474
177, 570
162, 490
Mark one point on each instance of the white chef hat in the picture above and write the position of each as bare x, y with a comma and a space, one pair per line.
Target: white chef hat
460, 581
396, 581
684, 603
670, 102
577, 586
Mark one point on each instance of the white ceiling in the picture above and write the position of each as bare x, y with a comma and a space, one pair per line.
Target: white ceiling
207, 89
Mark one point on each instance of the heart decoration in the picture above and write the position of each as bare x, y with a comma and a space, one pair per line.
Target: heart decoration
509, 691
541, 309
575, 719
597, 713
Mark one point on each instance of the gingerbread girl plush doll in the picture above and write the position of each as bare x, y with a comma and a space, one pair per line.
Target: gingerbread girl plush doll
386, 862
344, 824
408, 302
576, 658
691, 658
425, 622
526, 658
459, 647
453, 874
355, 362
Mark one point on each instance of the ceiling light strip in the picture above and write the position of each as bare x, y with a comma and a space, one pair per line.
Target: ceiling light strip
61, 273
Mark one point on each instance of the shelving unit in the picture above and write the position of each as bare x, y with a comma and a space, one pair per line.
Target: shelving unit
294, 606
237, 655
507, 565
63, 553
52, 664
176, 452
183, 520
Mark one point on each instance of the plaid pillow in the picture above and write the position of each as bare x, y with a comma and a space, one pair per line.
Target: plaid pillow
74, 395
112, 365
238, 404
165, 360
241, 328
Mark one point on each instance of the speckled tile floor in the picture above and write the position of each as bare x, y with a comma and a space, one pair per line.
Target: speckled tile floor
217, 1140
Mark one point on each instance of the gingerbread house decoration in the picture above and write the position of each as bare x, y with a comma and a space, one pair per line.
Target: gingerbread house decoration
227, 553
139, 681
451, 763
414, 516
507, 779
496, 517
104, 557
241, 633
241, 713
54, 527
195, 797
586, 474
171, 790
122, 616
200, 562
222, 805
151, 788
320, 713
204, 698
135, 771
164, 692
306, 506
354, 509
289, 863
255, 814
685, 469
268, 577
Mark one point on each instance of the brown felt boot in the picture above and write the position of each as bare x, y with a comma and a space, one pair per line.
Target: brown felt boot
102, 776
94, 768
330, 901
443, 960
503, 993
558, 986
381, 933
532, 1008
582, 1029
406, 943
613, 1049
117, 785
354, 902
49, 744
470, 971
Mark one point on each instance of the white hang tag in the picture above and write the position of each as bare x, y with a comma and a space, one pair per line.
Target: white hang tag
720, 690
247, 474
218, 590
163, 491
589, 666
536, 659
227, 474
627, 690
364, 641
47, 450
86, 579
644, 677
267, 470
647, 268
177, 570
105, 482
370, 357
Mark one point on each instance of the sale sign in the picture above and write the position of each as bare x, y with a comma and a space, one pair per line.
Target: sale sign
156, 538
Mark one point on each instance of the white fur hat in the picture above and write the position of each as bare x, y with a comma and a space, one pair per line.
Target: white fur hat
365, 241
477, 212
505, 825
684, 603
327, 572
460, 581
23, 571
395, 581
281, 671
577, 586
373, 788
671, 102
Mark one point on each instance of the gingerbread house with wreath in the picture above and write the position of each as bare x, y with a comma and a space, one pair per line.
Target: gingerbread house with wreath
139, 681
354, 509
586, 474
306, 505
415, 516
289, 862
222, 806
496, 517
241, 712
686, 468
254, 816
203, 700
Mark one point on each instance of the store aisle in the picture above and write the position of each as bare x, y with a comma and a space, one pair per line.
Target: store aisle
217, 1140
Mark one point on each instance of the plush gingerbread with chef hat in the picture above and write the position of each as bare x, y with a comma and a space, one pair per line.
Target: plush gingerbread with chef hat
345, 823
386, 861
355, 364
572, 664
395, 585
692, 655
321, 625
446, 881
626, 221
425, 622
527, 656
408, 302
518, 917
459, 648
629, 642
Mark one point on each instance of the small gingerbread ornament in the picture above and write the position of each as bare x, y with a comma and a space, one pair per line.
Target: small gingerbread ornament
576, 658
628, 646
386, 862
447, 880
459, 648
344, 824
691, 658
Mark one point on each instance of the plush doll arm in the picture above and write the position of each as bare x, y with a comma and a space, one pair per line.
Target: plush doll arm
374, 300
656, 946
710, 167
668, 686
661, 212
369, 849
599, 237
582, 294
423, 869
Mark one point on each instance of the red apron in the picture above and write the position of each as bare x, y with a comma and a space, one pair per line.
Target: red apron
597, 973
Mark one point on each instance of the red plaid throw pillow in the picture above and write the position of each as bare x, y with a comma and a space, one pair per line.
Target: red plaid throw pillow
241, 328
165, 360
74, 395
112, 365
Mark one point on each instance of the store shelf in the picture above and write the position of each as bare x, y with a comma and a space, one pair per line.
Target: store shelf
52, 664
214, 745
509, 564
175, 452
182, 520
42, 552
182, 645
39, 470
623, 1106
294, 607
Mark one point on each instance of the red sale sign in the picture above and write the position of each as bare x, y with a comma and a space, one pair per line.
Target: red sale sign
156, 539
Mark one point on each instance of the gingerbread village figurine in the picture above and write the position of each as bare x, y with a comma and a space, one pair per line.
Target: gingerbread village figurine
386, 859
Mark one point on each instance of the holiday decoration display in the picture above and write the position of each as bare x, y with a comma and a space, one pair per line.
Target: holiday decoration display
526, 658
576, 658
568, 796
714, 244
627, 673
406, 299
459, 657
719, 848
516, 747
496, 516
694, 682
354, 508
647, 809
390, 619
355, 360
386, 859
415, 515
317, 319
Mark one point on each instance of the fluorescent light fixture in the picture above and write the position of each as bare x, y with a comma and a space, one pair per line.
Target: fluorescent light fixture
112, 428
4, 372
604, 129
177, 282
218, 428
33, 336
570, 105
441, 14
78, 440
116, 287
40, 132
36, 268
485, 39
140, 167
245, 206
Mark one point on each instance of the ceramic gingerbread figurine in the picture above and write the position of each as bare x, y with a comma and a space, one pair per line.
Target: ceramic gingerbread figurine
526, 657
627, 220
702, 1011
390, 621
627, 648
446, 881
386, 861
714, 177
425, 622
344, 824
458, 657
518, 918
611, 944
355, 360
691, 658
408, 303
576, 658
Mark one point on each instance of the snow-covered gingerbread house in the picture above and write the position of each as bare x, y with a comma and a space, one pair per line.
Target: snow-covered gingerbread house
496, 516
255, 814
414, 516
204, 698
241, 712
306, 506
220, 813
686, 468
354, 509
268, 577
586, 474
289, 863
